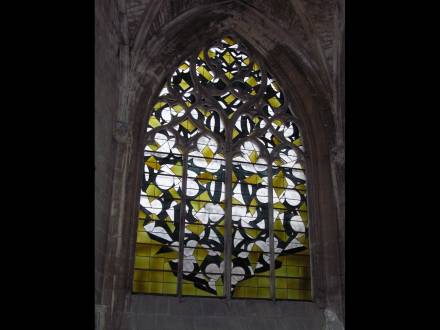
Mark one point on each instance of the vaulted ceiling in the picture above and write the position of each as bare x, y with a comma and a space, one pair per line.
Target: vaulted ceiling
322, 20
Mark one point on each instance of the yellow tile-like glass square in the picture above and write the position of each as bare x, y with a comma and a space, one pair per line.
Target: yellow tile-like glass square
141, 262
274, 102
263, 293
140, 275
251, 81
229, 75
142, 237
188, 288
281, 283
251, 292
156, 287
230, 98
281, 294
298, 294
157, 263
156, 276
184, 85
205, 73
153, 122
228, 58
170, 288
183, 66
140, 287
143, 250
140, 225
169, 277
263, 282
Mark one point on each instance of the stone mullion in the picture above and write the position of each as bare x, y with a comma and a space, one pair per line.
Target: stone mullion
271, 233
182, 224
228, 212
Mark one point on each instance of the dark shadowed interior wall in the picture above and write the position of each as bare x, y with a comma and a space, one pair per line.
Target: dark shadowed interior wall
137, 44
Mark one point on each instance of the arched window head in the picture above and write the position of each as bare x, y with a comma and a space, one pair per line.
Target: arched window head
223, 199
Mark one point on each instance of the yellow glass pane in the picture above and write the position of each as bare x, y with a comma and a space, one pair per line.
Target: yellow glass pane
298, 284
263, 293
253, 156
159, 105
251, 81
211, 54
142, 237
197, 205
274, 102
140, 225
141, 262
153, 191
201, 254
298, 295
170, 288
156, 276
183, 66
205, 73
152, 162
230, 98
184, 85
253, 206
140, 275
207, 152
143, 250
178, 108
140, 287
158, 263
281, 283
253, 179
228, 58
205, 177
297, 142
229, 41
169, 277
281, 294
153, 122
250, 292
204, 197
263, 282
252, 232
229, 75
188, 125
174, 194
156, 287
196, 229
152, 147
234, 135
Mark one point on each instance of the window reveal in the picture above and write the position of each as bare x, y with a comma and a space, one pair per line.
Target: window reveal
223, 199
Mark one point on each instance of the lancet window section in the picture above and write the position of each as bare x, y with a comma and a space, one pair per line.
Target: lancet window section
223, 208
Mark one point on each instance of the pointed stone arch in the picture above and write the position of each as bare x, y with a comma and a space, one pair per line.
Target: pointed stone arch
287, 58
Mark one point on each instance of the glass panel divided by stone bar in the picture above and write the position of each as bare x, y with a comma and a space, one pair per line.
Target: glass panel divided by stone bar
223, 209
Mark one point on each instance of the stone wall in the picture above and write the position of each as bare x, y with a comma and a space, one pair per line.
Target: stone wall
106, 104
160, 312
137, 42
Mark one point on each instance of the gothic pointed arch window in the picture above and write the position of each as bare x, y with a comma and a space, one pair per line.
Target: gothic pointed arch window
223, 208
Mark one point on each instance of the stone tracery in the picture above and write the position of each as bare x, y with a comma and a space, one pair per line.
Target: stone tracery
222, 124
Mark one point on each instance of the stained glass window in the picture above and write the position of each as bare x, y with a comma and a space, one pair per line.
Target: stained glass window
223, 208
